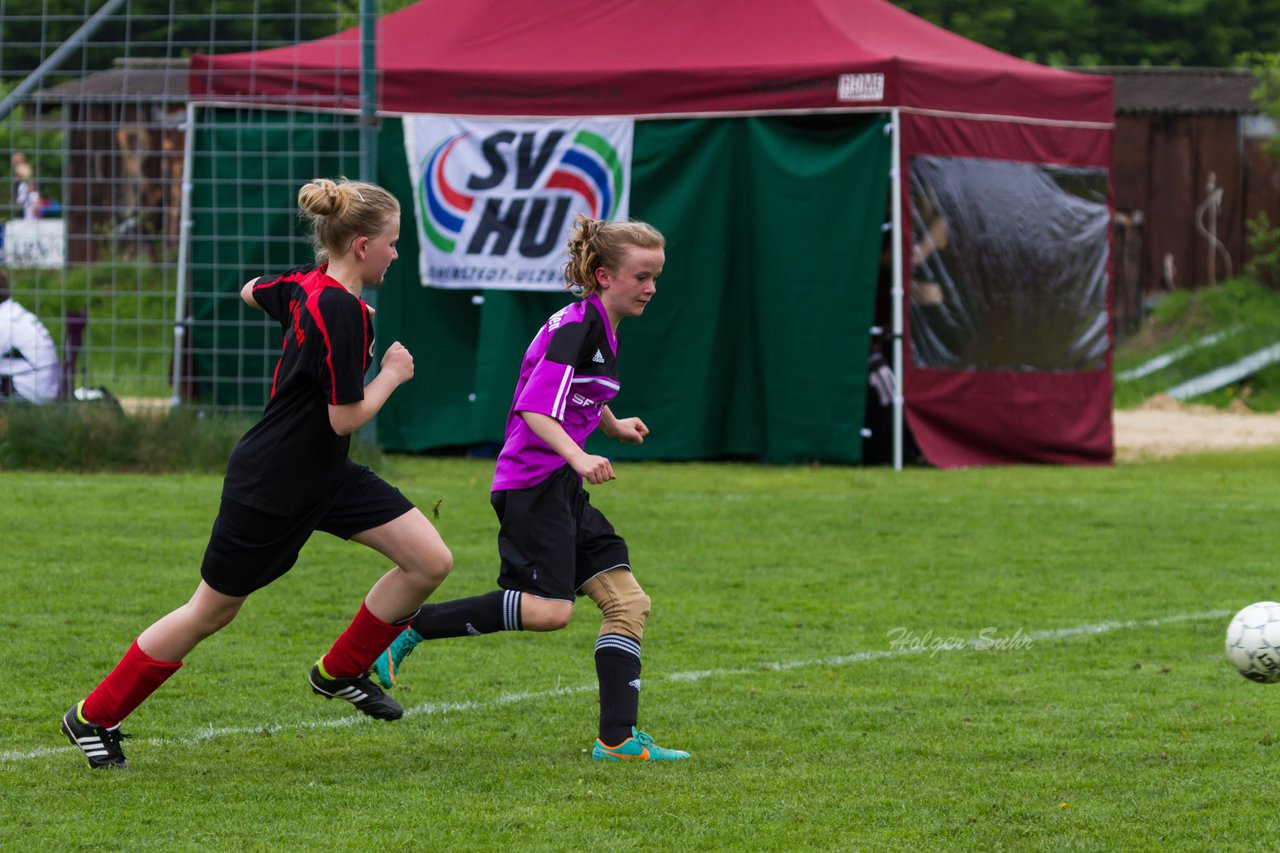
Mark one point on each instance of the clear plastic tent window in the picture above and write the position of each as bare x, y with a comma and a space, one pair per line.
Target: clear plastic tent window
1009, 265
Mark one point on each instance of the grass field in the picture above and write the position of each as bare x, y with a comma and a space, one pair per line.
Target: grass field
1244, 317
817, 642
128, 341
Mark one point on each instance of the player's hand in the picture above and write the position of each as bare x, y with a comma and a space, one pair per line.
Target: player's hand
398, 361
594, 469
629, 430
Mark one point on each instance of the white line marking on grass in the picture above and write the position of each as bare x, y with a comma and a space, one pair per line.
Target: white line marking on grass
438, 708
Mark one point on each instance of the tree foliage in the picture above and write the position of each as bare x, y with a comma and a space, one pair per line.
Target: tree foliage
1055, 32
1192, 33
1266, 67
166, 29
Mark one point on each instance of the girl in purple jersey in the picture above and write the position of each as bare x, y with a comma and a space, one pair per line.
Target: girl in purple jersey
290, 476
553, 544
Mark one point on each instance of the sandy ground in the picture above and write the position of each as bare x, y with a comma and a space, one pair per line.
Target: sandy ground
1163, 427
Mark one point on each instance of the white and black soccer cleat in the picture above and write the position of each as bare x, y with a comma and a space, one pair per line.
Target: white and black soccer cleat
359, 691
100, 746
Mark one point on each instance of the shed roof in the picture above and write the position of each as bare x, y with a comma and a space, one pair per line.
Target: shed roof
1182, 90
163, 80
157, 84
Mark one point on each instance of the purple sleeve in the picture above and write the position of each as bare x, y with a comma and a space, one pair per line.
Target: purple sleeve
548, 387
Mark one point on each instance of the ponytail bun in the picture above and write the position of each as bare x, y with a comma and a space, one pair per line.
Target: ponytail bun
323, 197
338, 212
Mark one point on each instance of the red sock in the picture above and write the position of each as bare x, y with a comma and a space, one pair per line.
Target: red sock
359, 646
136, 677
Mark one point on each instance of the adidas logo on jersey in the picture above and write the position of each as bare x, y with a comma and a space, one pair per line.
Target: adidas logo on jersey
598, 358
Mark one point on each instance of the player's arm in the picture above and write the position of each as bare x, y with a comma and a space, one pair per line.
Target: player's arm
396, 369
595, 469
246, 293
626, 430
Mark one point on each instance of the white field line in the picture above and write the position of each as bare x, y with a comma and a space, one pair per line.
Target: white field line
440, 708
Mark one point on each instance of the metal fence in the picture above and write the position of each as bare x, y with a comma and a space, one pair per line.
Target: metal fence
104, 182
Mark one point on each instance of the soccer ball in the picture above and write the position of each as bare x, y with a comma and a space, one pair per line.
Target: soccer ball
1253, 642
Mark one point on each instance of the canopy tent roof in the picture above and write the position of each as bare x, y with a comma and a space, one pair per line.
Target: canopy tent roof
658, 57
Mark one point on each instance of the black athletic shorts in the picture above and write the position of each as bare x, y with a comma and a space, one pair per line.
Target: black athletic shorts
249, 548
552, 540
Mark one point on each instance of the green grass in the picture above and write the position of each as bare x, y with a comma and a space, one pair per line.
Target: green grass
99, 436
1250, 311
128, 342
777, 592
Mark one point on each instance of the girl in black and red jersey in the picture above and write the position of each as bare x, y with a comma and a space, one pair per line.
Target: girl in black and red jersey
290, 476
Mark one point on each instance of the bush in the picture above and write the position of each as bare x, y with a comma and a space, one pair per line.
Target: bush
1264, 242
101, 437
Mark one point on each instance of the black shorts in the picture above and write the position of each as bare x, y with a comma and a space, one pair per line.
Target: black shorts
249, 548
552, 540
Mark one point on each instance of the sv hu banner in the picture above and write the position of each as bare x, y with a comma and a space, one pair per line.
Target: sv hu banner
494, 200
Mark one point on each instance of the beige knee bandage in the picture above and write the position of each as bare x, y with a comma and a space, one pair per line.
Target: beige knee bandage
621, 600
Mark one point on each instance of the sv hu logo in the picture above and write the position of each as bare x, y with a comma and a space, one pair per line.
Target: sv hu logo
531, 184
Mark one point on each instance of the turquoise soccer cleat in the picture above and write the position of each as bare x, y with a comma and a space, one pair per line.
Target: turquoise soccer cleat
387, 666
638, 747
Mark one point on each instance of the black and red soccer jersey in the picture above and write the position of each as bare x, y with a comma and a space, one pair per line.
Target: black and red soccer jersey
292, 457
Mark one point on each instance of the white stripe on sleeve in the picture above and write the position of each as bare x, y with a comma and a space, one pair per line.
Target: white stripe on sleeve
562, 394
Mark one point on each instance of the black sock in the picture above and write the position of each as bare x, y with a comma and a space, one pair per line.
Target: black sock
479, 614
618, 669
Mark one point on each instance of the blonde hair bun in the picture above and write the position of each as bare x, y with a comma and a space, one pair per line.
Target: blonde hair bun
323, 197
340, 211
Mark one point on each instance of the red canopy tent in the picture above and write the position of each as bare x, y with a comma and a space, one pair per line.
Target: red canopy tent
659, 57
950, 98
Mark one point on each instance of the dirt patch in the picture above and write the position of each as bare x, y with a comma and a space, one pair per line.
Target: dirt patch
1163, 427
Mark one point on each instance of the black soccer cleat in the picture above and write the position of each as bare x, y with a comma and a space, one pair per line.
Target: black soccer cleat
360, 691
101, 747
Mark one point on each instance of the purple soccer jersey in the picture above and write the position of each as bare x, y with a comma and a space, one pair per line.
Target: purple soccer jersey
569, 372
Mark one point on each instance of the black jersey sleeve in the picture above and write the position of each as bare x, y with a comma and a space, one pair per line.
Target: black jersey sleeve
274, 293
567, 342
347, 346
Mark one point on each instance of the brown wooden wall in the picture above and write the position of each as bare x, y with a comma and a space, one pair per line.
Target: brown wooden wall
123, 184
1162, 167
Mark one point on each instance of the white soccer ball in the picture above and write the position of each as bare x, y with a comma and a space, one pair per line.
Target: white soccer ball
1253, 642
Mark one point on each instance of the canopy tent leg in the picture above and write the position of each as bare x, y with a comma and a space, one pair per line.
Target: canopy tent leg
898, 291
180, 320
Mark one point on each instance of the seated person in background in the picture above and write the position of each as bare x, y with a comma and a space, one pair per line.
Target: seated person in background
931, 234
31, 200
28, 357
22, 173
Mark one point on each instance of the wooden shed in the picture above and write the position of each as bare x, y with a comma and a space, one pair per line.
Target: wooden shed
122, 165
1190, 171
